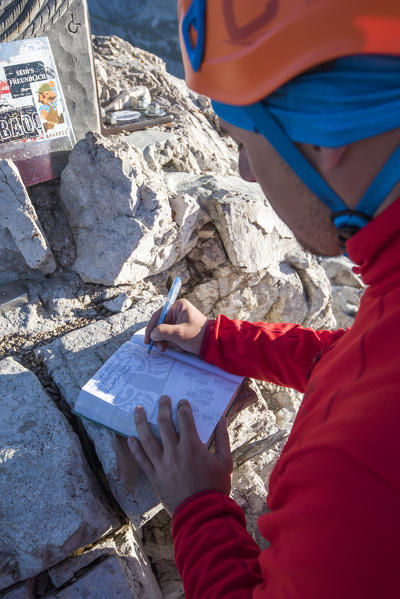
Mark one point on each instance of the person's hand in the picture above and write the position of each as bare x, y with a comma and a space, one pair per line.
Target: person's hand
184, 326
181, 465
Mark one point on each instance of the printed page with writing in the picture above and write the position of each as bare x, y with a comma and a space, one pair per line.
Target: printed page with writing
132, 377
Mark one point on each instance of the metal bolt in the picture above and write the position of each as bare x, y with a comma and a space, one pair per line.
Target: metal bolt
155, 110
142, 102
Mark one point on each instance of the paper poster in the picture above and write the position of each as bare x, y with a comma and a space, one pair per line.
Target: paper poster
32, 106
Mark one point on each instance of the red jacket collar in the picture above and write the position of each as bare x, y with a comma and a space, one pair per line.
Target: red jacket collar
376, 248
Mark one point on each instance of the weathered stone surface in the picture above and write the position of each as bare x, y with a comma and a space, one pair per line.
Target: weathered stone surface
347, 289
112, 578
71, 45
158, 147
119, 212
340, 272
253, 235
127, 557
50, 504
53, 220
121, 303
346, 301
71, 361
198, 147
20, 591
275, 294
22, 240
158, 546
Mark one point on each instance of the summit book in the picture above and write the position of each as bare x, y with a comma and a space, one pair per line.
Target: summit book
132, 377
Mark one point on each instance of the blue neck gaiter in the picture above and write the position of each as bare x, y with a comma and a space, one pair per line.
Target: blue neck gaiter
351, 99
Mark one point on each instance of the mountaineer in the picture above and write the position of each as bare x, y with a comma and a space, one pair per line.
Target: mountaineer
310, 90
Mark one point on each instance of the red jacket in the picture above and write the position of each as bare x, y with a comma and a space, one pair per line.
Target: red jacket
334, 495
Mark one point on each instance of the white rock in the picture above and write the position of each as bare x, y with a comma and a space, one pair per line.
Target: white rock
19, 220
120, 214
23, 591
252, 234
112, 578
121, 303
346, 301
284, 418
71, 360
50, 503
340, 272
198, 147
249, 491
127, 555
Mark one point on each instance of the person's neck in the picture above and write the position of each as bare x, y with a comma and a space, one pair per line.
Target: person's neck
392, 197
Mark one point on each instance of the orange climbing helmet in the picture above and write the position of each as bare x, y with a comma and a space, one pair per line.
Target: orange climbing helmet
239, 51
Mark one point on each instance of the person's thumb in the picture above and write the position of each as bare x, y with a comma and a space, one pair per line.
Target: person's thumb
222, 444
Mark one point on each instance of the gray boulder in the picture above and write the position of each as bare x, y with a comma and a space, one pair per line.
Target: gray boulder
119, 213
23, 244
50, 503
71, 361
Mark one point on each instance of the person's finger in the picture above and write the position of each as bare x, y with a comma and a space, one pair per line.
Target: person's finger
140, 456
222, 443
149, 442
166, 427
174, 333
150, 326
174, 314
160, 345
187, 427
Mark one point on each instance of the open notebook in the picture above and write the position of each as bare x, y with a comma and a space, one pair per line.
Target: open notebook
132, 377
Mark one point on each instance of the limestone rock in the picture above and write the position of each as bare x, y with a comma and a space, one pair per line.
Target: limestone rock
252, 234
50, 504
250, 491
198, 146
347, 289
120, 215
20, 230
157, 543
112, 578
346, 301
121, 303
53, 220
71, 360
340, 272
20, 591
126, 553
250, 265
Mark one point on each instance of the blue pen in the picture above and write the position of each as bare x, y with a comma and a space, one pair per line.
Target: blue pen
172, 295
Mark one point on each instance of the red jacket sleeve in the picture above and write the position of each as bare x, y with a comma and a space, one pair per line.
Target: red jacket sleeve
278, 353
215, 555
326, 536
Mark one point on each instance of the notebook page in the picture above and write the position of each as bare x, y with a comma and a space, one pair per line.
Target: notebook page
132, 377
191, 359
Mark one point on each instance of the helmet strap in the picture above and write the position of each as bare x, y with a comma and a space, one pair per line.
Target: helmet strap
346, 221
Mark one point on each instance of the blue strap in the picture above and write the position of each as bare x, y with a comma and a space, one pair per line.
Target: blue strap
382, 185
195, 17
266, 125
